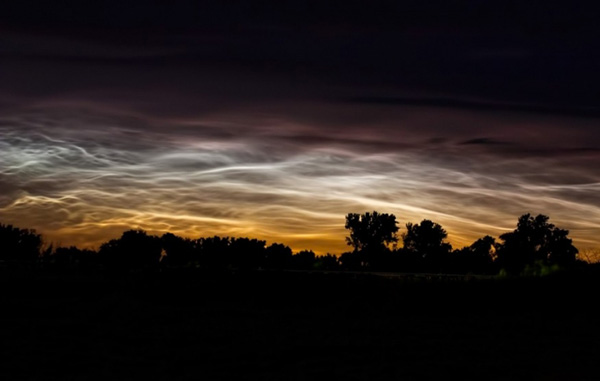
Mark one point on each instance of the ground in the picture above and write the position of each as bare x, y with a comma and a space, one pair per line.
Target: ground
296, 326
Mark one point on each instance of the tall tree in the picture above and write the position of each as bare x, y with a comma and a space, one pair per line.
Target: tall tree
535, 240
370, 235
371, 230
427, 241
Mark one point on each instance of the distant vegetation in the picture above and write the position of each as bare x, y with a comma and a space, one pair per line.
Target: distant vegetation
535, 247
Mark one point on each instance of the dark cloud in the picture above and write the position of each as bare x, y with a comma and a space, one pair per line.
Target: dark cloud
532, 58
593, 112
483, 141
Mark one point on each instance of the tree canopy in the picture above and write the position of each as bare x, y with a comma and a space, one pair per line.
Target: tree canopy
135, 249
18, 244
371, 231
477, 258
535, 240
426, 239
370, 235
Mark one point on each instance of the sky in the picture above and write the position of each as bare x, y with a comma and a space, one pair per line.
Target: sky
275, 119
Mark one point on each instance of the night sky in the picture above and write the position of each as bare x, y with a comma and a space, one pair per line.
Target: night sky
275, 119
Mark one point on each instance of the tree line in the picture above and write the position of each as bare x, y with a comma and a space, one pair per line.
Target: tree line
535, 246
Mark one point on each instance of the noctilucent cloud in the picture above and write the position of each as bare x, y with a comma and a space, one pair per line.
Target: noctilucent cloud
277, 130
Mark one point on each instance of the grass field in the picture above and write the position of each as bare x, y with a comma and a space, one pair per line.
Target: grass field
297, 326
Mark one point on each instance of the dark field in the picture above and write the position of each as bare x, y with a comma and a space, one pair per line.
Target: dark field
297, 326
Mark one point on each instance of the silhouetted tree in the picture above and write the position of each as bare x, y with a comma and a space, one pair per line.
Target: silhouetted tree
278, 256
477, 258
179, 251
19, 245
327, 262
351, 260
406, 260
135, 249
370, 233
535, 240
371, 230
427, 240
213, 252
303, 260
247, 253
72, 257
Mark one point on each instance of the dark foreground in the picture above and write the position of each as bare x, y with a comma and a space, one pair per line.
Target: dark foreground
297, 326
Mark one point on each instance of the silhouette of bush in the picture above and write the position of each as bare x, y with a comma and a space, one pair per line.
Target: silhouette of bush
19, 245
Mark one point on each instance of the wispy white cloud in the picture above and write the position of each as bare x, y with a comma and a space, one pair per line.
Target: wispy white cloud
83, 177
